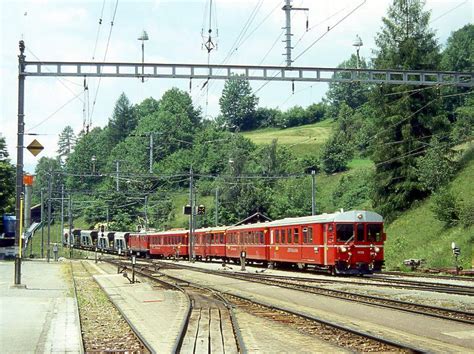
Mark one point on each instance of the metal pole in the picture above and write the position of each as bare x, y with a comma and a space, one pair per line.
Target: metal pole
62, 214
217, 206
146, 215
19, 156
191, 216
143, 59
313, 192
287, 9
42, 224
151, 152
71, 238
48, 250
117, 170
107, 216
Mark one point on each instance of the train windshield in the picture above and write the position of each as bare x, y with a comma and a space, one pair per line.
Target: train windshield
344, 232
374, 232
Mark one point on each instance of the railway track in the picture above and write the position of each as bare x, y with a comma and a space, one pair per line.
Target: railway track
94, 308
209, 326
296, 283
342, 336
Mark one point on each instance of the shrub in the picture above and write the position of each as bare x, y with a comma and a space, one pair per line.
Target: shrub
446, 208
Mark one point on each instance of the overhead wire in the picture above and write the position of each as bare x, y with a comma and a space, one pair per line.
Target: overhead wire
105, 56
330, 29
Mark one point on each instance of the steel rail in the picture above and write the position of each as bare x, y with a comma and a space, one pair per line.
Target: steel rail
322, 321
327, 292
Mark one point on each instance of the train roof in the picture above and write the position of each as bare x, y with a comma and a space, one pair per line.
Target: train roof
345, 216
212, 229
169, 232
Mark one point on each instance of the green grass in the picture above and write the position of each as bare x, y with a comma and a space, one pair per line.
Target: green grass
418, 234
306, 139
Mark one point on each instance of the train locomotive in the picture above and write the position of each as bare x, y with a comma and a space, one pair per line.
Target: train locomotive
345, 242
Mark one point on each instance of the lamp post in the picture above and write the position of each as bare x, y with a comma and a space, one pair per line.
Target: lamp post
358, 43
93, 160
143, 38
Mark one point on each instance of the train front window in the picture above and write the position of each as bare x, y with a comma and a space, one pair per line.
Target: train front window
374, 232
344, 232
360, 232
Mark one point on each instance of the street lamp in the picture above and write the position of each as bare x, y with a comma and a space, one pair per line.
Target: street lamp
358, 43
93, 160
143, 38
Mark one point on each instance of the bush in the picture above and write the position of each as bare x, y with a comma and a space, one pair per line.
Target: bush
446, 208
466, 214
336, 154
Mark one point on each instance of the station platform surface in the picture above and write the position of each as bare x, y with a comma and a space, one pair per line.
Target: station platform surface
156, 313
41, 315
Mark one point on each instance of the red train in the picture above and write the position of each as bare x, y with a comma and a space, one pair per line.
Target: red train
343, 243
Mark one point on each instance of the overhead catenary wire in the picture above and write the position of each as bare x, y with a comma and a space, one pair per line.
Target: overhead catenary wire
105, 56
330, 29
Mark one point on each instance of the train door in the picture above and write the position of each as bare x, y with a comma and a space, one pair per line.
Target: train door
308, 249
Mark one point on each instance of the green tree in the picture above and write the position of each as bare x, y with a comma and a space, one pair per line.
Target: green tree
405, 120
459, 52
66, 142
352, 94
7, 180
238, 104
123, 121
47, 169
436, 168
336, 154
446, 207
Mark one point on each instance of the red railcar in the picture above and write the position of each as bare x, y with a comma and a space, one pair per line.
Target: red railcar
251, 239
173, 243
139, 244
209, 243
344, 243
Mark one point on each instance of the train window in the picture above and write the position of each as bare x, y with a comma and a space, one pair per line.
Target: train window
304, 231
360, 232
344, 232
222, 239
261, 238
330, 228
277, 236
310, 235
290, 240
374, 232
296, 235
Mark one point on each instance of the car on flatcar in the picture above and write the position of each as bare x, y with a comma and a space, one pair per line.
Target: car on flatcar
169, 244
120, 242
209, 243
343, 243
88, 238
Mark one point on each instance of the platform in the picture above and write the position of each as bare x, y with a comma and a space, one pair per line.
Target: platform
156, 313
41, 316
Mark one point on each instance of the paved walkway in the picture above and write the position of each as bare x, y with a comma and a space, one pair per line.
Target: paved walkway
43, 316
156, 313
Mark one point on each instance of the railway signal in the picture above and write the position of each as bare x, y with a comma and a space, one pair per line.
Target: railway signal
201, 210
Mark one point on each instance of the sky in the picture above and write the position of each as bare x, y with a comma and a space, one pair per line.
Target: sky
69, 30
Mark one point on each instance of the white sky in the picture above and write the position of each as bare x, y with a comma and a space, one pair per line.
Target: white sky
66, 30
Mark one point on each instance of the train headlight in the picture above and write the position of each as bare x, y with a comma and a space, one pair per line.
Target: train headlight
343, 249
377, 250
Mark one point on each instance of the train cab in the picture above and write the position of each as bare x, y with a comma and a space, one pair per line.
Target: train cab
341, 243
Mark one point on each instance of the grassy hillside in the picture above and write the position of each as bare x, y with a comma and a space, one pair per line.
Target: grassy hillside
418, 234
305, 139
